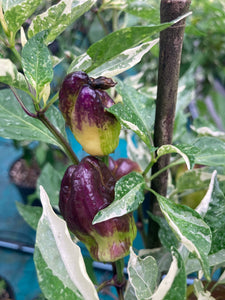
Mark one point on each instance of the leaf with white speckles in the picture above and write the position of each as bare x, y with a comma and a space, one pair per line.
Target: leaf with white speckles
146, 9
136, 112
123, 39
186, 151
58, 17
37, 63
197, 179
212, 151
9, 75
173, 285
213, 206
17, 12
142, 275
215, 259
57, 254
128, 196
123, 61
16, 124
189, 228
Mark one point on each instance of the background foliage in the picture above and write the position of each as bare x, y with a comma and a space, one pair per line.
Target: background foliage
40, 43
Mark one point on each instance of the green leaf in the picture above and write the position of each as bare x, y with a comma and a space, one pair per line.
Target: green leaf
17, 12
51, 286
37, 63
195, 180
115, 65
142, 275
189, 228
143, 9
123, 61
200, 291
58, 17
121, 40
166, 235
61, 257
212, 151
137, 150
215, 259
50, 179
81, 62
213, 207
203, 128
9, 75
16, 124
173, 286
128, 196
129, 293
136, 112
221, 279
186, 151
31, 214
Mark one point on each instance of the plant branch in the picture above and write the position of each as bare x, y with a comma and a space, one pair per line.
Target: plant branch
175, 163
30, 114
119, 278
63, 142
171, 41
42, 117
105, 284
50, 102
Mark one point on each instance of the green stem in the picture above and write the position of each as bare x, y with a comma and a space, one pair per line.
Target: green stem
41, 116
105, 159
115, 20
62, 141
101, 21
175, 163
105, 284
149, 166
119, 270
16, 53
119, 278
52, 101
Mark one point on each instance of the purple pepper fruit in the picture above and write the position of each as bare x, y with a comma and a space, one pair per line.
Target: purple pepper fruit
85, 190
82, 101
122, 167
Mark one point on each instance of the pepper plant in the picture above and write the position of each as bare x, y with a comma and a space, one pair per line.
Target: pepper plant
97, 197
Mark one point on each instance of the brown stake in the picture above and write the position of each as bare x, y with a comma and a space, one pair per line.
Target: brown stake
171, 41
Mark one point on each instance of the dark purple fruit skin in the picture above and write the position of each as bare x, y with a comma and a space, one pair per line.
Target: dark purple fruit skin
85, 190
122, 167
90, 108
83, 102
70, 89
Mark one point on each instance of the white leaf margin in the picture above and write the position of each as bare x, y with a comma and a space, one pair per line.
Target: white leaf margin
167, 281
69, 252
165, 149
131, 264
116, 65
10, 75
203, 206
123, 61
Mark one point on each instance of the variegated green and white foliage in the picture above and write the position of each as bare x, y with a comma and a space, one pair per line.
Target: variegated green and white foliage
195, 235
58, 259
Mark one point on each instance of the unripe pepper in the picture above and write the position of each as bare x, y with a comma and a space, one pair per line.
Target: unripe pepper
82, 101
122, 167
85, 190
